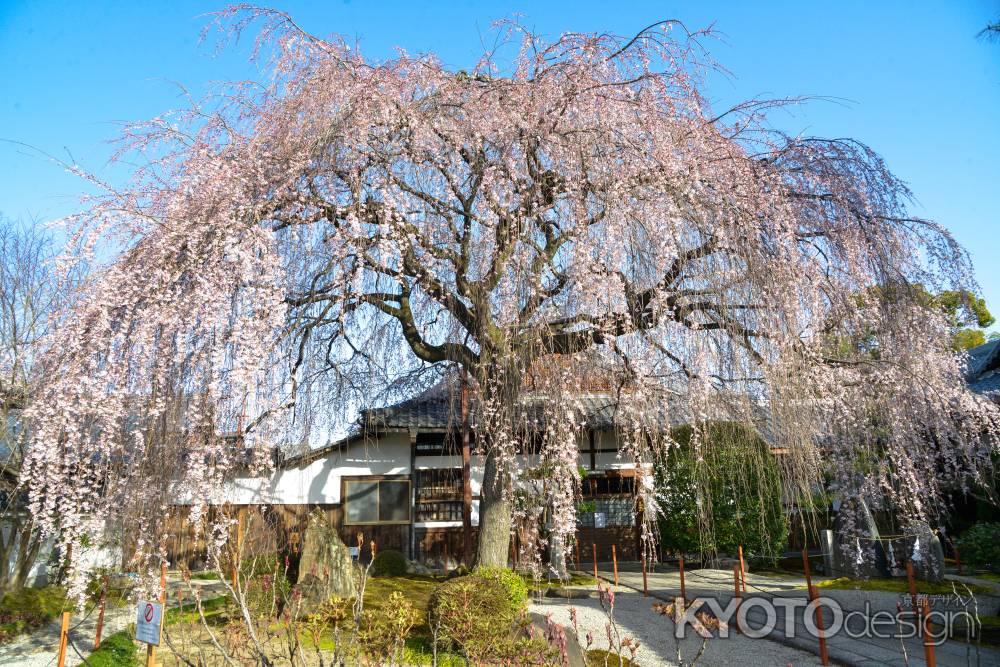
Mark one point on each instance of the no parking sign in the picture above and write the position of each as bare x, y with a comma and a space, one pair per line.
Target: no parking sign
148, 617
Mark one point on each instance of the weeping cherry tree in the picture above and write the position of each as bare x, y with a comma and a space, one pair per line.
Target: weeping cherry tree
289, 251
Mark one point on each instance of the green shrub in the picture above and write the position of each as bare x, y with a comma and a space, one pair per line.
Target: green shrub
118, 650
735, 476
474, 613
29, 609
513, 583
389, 563
980, 546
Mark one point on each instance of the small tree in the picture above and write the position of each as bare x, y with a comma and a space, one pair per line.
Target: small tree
725, 470
30, 294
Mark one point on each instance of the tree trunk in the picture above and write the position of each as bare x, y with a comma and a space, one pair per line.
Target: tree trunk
494, 517
557, 557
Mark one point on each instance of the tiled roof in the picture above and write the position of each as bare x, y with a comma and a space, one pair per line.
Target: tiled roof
597, 411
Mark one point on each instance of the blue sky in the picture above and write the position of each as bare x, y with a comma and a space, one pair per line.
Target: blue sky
911, 78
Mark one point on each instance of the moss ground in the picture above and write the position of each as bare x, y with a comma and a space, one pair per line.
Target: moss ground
897, 586
118, 650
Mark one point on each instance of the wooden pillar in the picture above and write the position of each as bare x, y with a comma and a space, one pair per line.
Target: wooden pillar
413, 497
614, 560
466, 475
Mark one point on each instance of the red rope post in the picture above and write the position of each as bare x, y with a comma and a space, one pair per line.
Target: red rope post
824, 656
913, 589
645, 582
683, 590
743, 570
594, 545
100, 615
929, 656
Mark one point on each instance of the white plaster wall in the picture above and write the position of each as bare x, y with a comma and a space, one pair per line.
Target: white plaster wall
319, 481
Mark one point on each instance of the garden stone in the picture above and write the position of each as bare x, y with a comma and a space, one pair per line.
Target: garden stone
325, 569
568, 593
872, 562
413, 567
926, 553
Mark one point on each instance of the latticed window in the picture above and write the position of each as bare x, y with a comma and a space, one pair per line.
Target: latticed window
439, 494
612, 511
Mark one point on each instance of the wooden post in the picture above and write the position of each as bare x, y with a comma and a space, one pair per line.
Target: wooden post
929, 656
63, 639
737, 595
100, 615
238, 556
594, 545
645, 583
614, 560
683, 590
824, 656
446, 552
913, 589
577, 545
743, 570
958, 560
812, 594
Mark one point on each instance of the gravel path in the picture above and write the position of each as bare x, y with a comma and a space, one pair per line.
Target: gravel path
635, 618
41, 648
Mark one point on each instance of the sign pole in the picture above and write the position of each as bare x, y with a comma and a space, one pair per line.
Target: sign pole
150, 648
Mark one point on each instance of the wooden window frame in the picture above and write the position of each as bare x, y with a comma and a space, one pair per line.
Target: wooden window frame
378, 479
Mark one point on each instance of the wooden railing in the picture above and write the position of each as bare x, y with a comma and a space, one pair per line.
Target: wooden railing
439, 510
